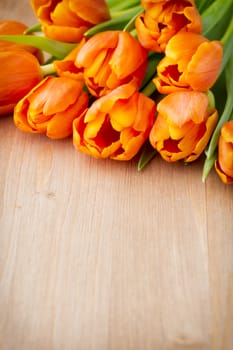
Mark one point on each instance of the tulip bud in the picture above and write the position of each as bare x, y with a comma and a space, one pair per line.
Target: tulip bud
14, 28
191, 62
116, 125
224, 163
68, 20
110, 59
162, 20
51, 106
20, 72
184, 125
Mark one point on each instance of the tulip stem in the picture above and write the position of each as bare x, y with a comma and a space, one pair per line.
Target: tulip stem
48, 69
149, 89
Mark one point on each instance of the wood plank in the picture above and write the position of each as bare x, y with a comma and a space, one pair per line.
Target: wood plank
96, 256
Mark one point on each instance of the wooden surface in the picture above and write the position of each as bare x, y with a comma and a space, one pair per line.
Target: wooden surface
96, 256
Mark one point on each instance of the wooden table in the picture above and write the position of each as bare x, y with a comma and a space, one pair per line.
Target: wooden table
96, 256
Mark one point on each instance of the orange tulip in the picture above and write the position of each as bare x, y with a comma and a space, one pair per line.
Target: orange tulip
191, 62
110, 59
184, 126
68, 20
116, 125
224, 163
162, 20
20, 72
67, 68
51, 106
16, 28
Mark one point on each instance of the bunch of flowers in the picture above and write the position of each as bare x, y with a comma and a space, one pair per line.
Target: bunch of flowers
125, 78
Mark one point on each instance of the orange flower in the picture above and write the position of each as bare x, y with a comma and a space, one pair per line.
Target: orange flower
20, 72
51, 106
224, 163
191, 62
184, 126
110, 59
116, 125
16, 28
68, 20
67, 68
162, 20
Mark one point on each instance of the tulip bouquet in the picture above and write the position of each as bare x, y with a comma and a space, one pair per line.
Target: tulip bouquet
125, 78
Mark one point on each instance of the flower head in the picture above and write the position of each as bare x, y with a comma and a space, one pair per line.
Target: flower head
224, 163
161, 20
51, 106
184, 126
191, 62
68, 20
20, 72
110, 59
67, 67
116, 125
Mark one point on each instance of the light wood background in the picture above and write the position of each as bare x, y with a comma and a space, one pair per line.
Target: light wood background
96, 256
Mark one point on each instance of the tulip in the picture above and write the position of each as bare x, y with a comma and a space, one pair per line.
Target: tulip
162, 20
15, 28
51, 106
20, 72
68, 20
191, 62
183, 126
115, 125
66, 67
224, 163
110, 59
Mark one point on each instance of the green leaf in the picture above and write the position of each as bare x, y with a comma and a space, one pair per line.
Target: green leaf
153, 60
215, 13
227, 41
56, 48
116, 5
148, 153
116, 23
33, 29
203, 4
131, 24
226, 115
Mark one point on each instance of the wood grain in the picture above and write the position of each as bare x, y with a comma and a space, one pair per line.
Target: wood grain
96, 256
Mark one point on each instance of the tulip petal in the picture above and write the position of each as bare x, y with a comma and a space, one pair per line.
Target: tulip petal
203, 69
122, 61
181, 107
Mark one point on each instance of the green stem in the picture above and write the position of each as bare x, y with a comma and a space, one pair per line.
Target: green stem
149, 89
47, 69
56, 48
153, 61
